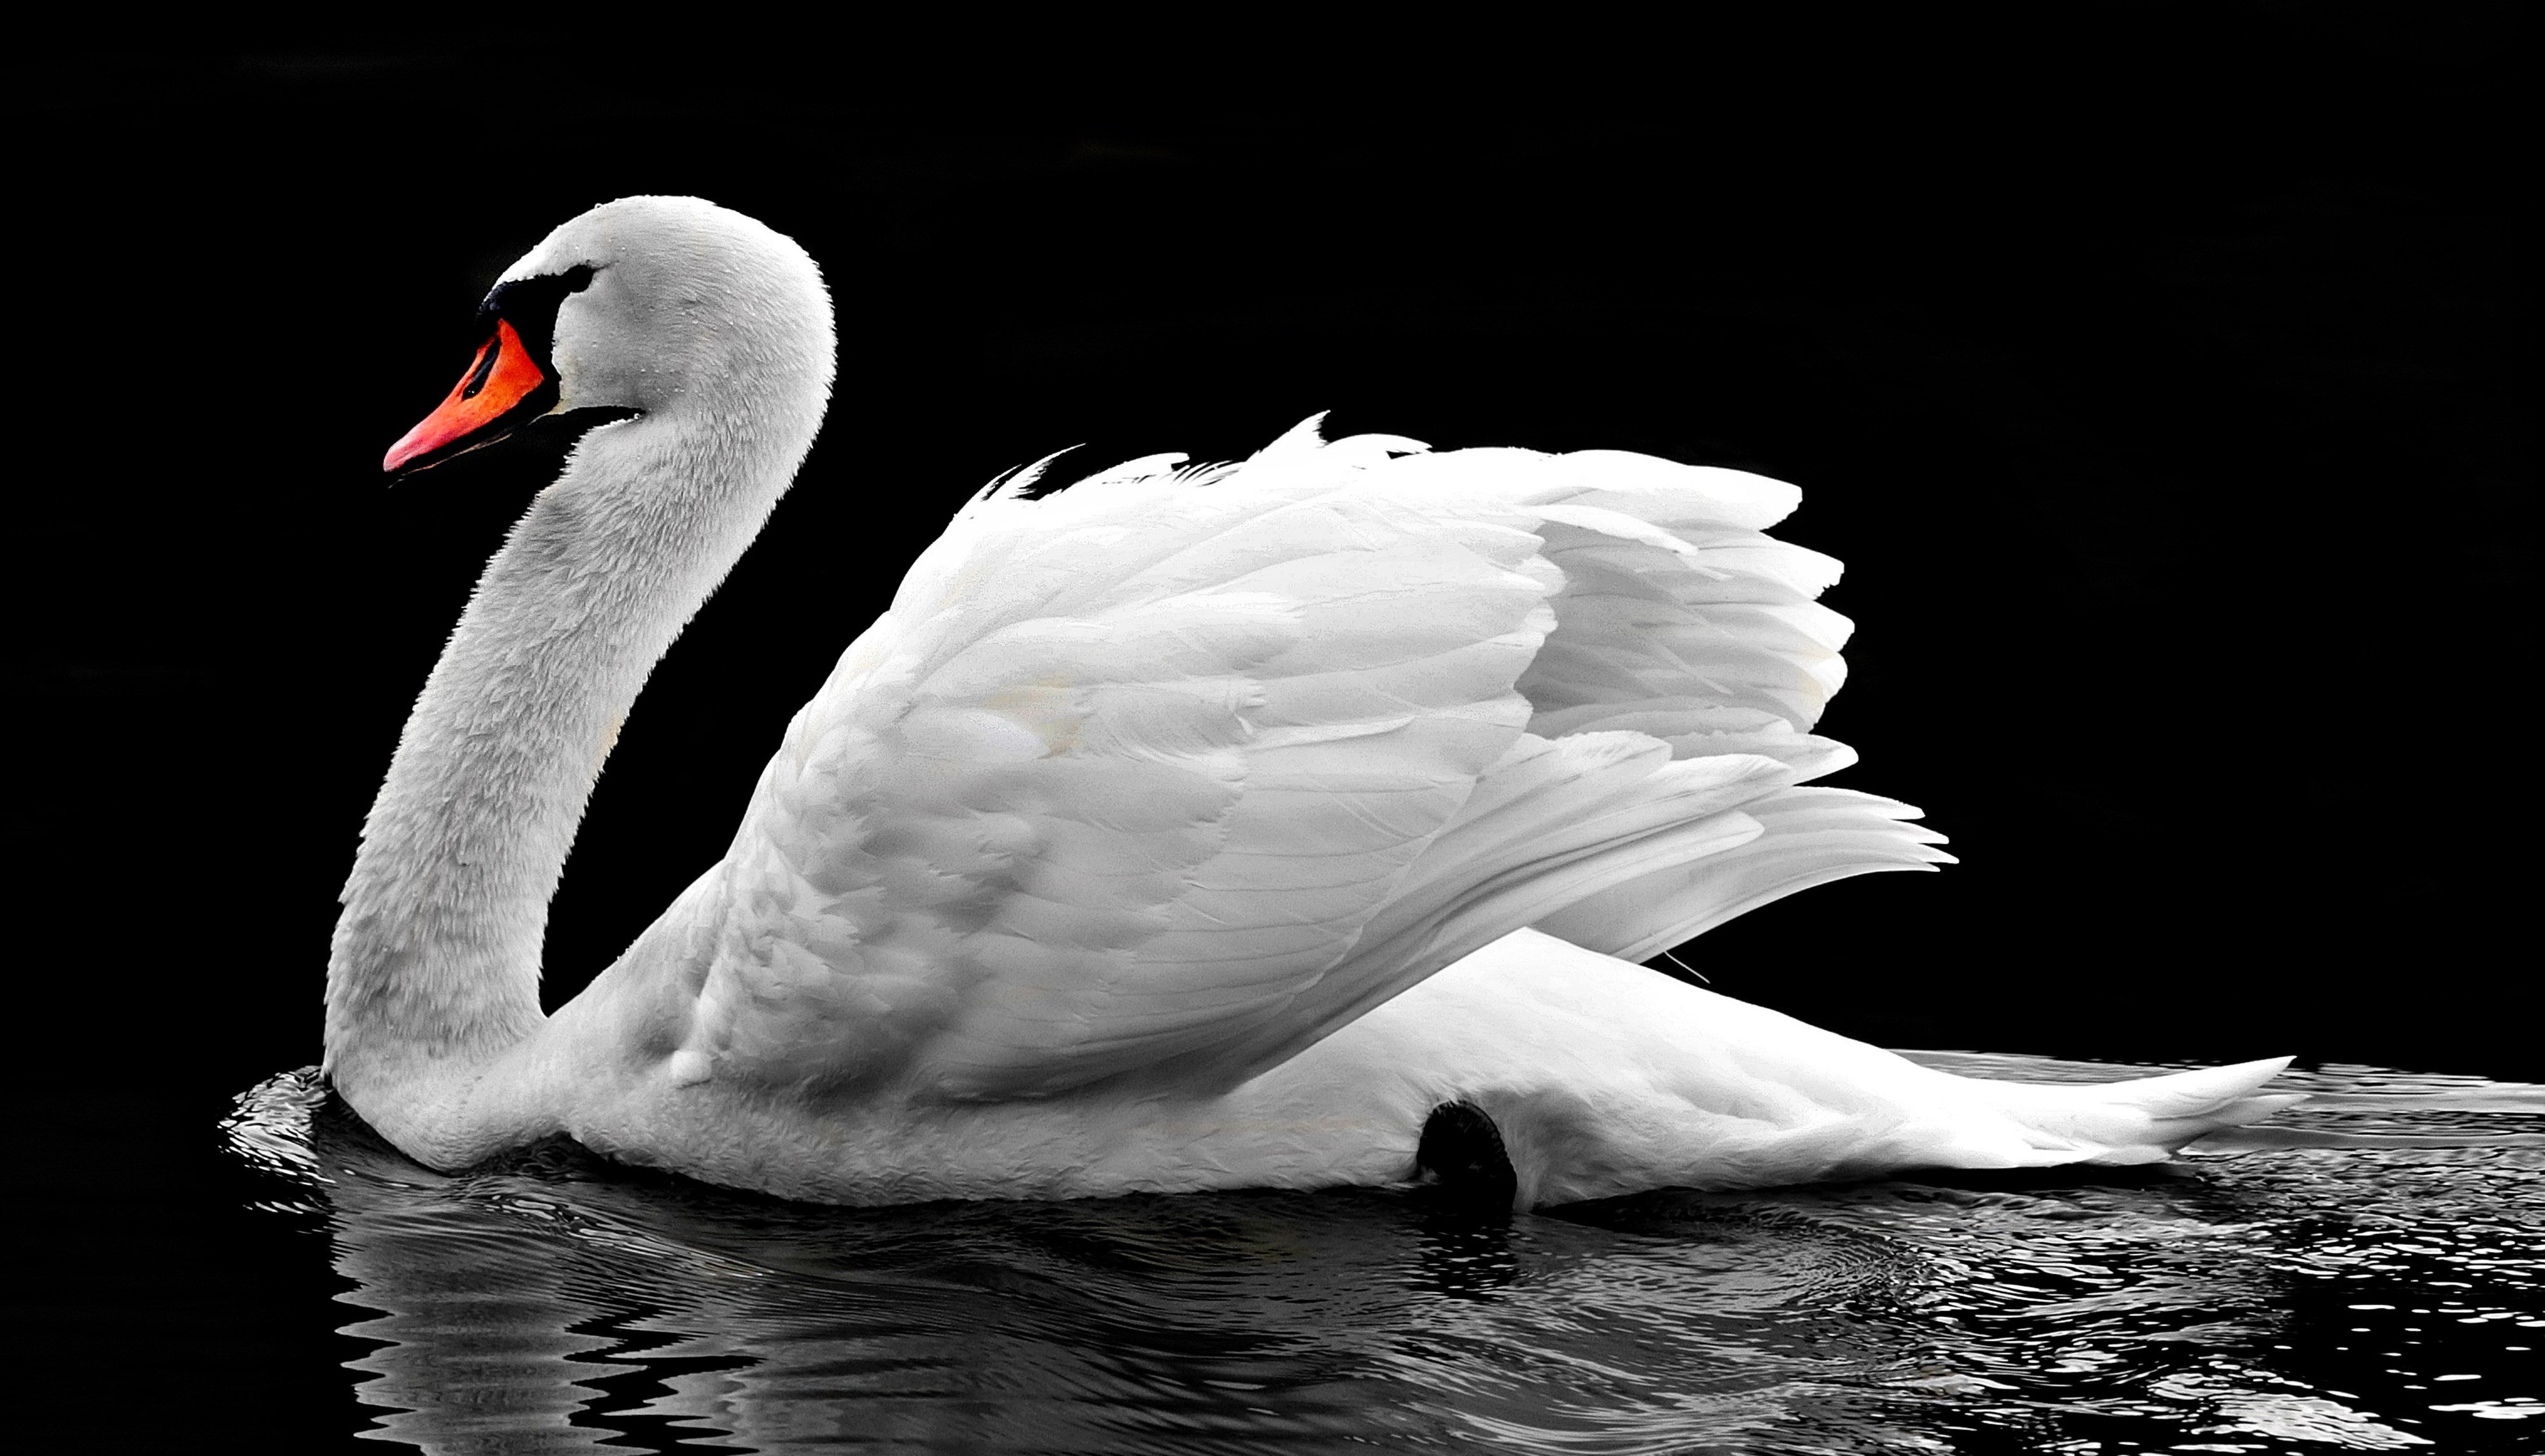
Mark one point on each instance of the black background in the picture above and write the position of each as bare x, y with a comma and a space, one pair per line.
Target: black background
2148, 367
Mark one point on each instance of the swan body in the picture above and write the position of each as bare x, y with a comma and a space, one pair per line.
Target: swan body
1185, 829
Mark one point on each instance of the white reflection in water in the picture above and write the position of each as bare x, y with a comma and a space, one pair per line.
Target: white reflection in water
2364, 1275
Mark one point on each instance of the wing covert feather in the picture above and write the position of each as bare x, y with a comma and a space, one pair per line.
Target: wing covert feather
1171, 774
1118, 807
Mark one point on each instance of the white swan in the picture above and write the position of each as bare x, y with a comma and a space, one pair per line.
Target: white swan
1178, 831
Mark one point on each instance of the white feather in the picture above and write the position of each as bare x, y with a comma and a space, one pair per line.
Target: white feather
1181, 829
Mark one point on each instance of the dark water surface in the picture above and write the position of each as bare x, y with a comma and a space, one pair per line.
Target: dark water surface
2367, 1273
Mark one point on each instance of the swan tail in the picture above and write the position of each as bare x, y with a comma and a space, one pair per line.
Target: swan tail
2143, 1120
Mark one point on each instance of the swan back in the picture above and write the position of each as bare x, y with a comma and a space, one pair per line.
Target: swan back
1161, 778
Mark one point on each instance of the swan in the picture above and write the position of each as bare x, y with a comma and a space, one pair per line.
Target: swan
1285, 824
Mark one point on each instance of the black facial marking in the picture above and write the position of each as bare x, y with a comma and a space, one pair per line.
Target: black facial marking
531, 305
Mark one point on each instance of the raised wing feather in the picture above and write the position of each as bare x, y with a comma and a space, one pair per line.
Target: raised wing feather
1122, 769
1169, 775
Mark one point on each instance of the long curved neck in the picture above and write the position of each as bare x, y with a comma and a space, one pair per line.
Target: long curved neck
435, 962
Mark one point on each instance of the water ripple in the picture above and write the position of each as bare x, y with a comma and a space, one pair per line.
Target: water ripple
2368, 1274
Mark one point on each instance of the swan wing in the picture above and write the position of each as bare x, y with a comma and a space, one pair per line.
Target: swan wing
1171, 773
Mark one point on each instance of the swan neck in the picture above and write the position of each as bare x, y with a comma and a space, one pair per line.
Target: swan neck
435, 967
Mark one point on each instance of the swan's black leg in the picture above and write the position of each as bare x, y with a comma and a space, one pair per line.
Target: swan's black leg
1461, 1155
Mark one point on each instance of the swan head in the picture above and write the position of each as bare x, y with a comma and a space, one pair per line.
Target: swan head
648, 305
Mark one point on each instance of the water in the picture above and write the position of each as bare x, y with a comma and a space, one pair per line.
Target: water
2367, 1273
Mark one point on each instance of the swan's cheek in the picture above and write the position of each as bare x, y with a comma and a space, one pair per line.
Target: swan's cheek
578, 386
570, 381
586, 379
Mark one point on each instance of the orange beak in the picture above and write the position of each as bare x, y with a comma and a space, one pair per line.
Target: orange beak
480, 407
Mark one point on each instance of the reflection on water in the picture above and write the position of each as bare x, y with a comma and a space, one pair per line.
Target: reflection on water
2368, 1275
